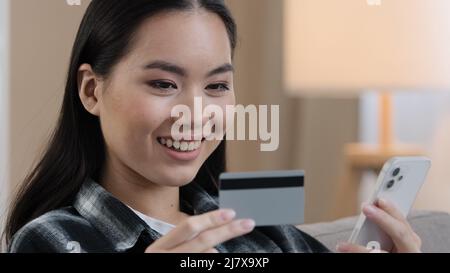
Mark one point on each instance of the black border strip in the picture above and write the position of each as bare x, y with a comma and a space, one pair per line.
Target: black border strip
261, 183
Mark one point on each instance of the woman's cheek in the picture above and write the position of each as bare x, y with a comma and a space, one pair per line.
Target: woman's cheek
143, 123
133, 119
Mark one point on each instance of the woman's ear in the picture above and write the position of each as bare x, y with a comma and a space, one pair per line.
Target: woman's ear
89, 88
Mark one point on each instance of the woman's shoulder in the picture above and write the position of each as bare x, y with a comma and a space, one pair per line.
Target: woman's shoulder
51, 232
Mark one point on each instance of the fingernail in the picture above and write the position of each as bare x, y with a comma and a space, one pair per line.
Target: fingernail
228, 214
248, 224
382, 202
369, 210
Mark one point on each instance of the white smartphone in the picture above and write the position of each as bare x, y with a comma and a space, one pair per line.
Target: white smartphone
399, 182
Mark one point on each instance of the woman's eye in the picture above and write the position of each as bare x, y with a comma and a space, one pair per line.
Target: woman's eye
218, 87
163, 85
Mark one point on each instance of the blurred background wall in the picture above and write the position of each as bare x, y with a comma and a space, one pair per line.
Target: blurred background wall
41, 36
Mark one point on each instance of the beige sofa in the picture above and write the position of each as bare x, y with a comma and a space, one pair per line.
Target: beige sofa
432, 227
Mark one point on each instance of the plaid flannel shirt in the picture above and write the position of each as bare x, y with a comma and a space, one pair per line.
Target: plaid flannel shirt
99, 223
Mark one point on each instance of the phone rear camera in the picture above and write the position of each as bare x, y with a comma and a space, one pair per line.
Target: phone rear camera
396, 172
390, 184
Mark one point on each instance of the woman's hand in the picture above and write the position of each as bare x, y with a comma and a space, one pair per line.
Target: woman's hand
392, 222
200, 234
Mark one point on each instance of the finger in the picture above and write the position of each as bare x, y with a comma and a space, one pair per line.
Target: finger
391, 209
400, 232
395, 212
345, 247
212, 237
193, 226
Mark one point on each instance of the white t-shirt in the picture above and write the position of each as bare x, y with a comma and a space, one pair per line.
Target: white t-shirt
161, 227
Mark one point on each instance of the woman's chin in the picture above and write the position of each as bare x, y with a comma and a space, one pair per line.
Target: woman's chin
178, 179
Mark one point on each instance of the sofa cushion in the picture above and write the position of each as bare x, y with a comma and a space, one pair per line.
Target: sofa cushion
432, 227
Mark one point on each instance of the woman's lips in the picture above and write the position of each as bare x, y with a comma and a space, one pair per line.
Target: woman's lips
181, 150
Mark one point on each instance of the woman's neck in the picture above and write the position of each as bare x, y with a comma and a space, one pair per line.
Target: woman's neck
156, 201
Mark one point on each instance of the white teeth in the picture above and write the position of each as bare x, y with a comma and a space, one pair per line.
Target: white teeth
169, 143
183, 146
191, 146
176, 145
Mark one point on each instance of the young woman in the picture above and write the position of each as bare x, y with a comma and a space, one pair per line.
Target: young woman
112, 178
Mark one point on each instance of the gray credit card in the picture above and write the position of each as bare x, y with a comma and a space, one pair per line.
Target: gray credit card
269, 198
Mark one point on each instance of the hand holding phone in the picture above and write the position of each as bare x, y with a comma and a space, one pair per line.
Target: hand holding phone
399, 182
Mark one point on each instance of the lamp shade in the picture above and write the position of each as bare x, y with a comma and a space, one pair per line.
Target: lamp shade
333, 47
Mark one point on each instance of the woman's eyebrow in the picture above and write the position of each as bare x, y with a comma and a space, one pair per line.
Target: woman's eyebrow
221, 69
175, 69
166, 66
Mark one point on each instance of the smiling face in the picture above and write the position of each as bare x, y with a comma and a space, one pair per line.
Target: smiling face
174, 57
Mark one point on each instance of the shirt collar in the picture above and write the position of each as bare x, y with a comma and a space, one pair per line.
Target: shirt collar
120, 224
198, 200
115, 220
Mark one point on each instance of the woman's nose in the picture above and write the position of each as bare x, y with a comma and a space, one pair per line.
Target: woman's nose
194, 122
